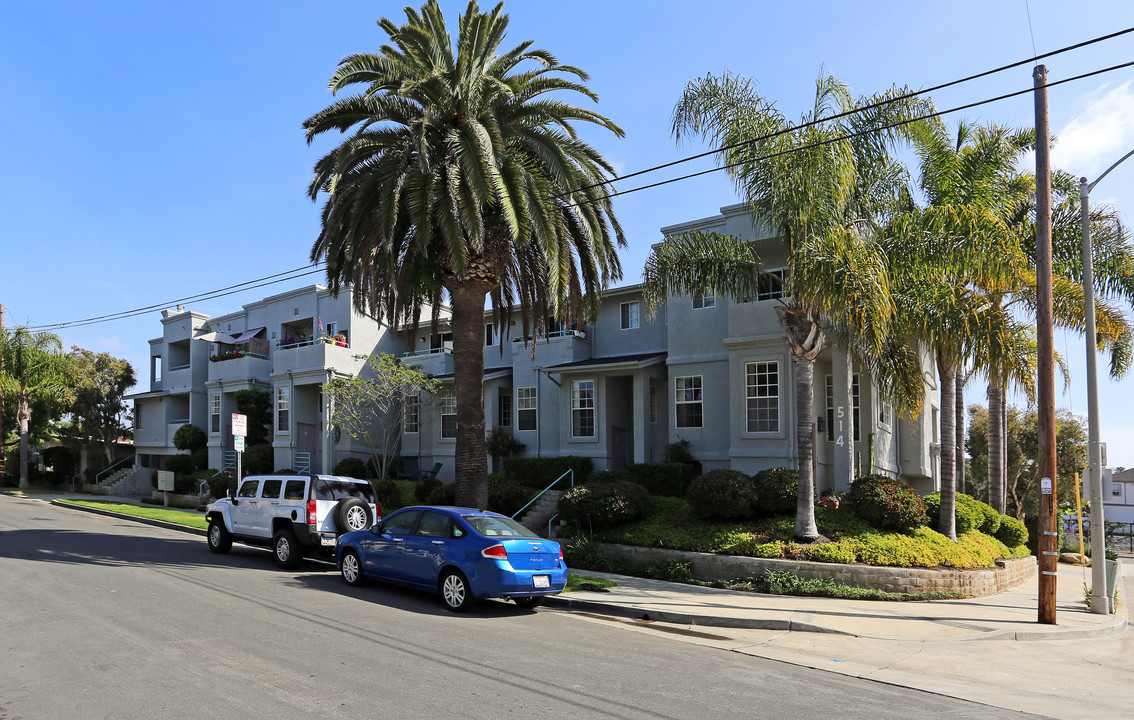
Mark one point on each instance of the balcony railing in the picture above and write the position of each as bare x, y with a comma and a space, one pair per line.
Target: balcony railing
429, 351
556, 334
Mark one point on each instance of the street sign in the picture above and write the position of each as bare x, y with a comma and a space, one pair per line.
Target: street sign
238, 443
239, 424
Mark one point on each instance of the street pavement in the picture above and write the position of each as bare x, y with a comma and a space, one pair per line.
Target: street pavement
991, 650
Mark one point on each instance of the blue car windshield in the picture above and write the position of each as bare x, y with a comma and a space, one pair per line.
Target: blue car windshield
490, 526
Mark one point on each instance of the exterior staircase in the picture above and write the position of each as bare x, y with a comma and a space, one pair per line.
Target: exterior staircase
537, 516
130, 481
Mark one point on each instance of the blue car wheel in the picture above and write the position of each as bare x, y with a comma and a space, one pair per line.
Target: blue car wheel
351, 568
455, 591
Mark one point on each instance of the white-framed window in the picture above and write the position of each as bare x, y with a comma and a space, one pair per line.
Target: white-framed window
703, 301
629, 313
582, 408
332, 329
138, 416
448, 413
411, 415
884, 410
762, 396
653, 403
504, 407
489, 334
688, 401
214, 412
1116, 490
283, 409
526, 410
855, 404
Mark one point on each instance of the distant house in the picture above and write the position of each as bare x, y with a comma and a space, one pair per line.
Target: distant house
1118, 495
713, 372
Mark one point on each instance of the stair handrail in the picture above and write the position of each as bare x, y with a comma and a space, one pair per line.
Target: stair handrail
570, 472
98, 477
226, 464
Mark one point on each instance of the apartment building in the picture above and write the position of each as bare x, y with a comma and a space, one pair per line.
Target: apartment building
710, 371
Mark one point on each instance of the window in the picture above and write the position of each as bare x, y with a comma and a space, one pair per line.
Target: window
526, 408
283, 408
762, 396
653, 403
433, 524
687, 401
830, 392
854, 405
704, 301
582, 408
489, 335
504, 407
410, 418
294, 489
448, 413
214, 412
248, 489
1116, 490
271, 489
883, 410
771, 285
155, 368
137, 416
629, 315
441, 341
400, 524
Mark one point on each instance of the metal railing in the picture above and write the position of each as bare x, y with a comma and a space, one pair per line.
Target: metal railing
554, 334
541, 493
98, 477
302, 463
228, 462
429, 351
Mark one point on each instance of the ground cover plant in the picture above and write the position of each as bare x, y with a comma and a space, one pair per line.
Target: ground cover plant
179, 517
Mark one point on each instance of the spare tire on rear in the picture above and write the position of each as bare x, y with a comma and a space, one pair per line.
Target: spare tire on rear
353, 514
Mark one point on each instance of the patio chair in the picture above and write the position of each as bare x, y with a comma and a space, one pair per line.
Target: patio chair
409, 469
431, 473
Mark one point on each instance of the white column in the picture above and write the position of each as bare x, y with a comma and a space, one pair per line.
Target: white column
842, 373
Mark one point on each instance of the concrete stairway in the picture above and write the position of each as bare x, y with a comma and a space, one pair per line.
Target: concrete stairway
131, 481
536, 517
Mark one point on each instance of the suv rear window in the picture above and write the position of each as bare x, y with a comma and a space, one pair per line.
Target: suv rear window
341, 489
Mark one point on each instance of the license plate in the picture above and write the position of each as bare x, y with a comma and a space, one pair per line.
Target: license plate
541, 581
328, 540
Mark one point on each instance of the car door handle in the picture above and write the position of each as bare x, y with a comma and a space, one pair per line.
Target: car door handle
397, 539
275, 502
438, 542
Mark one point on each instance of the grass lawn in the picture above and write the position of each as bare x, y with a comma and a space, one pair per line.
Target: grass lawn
178, 517
574, 582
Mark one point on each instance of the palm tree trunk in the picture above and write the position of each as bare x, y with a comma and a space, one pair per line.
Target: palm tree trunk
805, 528
959, 402
995, 448
23, 418
468, 379
948, 523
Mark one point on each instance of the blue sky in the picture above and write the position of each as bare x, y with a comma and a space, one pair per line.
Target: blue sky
154, 151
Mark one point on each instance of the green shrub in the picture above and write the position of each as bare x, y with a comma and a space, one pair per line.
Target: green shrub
833, 552
886, 503
388, 494
670, 569
350, 467
605, 476
991, 522
604, 504
585, 554
180, 464
969, 515
221, 484
1012, 532
678, 452
186, 484
507, 497
722, 495
539, 472
190, 437
258, 460
61, 461
424, 488
776, 491
201, 457
667, 479
768, 550
443, 495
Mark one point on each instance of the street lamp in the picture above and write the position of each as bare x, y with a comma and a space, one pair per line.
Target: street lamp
1100, 603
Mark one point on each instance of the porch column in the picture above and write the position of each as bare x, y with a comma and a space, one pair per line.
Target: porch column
640, 413
842, 373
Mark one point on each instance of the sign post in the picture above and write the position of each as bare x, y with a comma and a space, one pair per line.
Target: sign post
239, 430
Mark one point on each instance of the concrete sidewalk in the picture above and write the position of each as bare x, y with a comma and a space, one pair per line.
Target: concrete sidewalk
1011, 615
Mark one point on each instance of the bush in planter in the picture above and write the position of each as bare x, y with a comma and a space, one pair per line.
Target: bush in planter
722, 495
605, 476
665, 479
886, 503
1012, 532
969, 516
776, 491
604, 504
350, 467
424, 488
585, 554
442, 495
221, 484
190, 437
180, 464
539, 472
388, 495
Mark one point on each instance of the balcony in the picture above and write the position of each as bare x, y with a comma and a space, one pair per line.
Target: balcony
315, 354
433, 361
555, 348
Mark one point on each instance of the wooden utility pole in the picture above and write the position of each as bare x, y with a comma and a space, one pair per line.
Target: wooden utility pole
1045, 381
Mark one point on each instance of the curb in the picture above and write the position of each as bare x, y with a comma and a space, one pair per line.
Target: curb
133, 518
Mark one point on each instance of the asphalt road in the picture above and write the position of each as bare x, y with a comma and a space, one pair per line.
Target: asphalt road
105, 618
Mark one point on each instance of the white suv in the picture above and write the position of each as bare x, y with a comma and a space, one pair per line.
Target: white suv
292, 514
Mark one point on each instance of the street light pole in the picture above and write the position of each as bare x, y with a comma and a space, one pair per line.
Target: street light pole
1100, 603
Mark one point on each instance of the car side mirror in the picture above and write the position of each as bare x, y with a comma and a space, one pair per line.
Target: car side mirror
376, 528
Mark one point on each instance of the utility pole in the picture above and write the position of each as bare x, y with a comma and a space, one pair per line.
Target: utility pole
1045, 381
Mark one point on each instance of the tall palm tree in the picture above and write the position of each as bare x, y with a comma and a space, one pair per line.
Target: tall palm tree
34, 367
823, 188
463, 178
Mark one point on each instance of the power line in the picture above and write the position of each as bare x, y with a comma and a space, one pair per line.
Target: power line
864, 108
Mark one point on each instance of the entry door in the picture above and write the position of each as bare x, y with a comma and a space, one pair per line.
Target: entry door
618, 440
307, 441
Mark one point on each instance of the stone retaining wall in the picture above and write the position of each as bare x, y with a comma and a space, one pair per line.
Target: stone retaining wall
972, 583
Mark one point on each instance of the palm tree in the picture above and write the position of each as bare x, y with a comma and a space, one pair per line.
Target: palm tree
34, 368
823, 188
462, 179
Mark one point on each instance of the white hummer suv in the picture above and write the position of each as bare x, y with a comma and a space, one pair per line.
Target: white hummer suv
292, 514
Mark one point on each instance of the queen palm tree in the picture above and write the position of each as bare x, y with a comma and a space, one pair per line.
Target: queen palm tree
822, 188
463, 178
34, 367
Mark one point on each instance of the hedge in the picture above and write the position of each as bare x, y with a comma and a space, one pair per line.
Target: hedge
602, 505
539, 472
722, 495
666, 479
887, 503
777, 491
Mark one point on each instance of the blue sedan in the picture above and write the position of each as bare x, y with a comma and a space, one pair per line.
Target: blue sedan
463, 554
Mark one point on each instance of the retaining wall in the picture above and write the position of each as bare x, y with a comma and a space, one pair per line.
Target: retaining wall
972, 583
